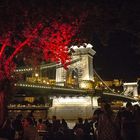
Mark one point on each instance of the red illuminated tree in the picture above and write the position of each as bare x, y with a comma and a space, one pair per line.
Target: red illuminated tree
52, 39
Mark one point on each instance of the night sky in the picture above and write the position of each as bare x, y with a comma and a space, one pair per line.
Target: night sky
112, 27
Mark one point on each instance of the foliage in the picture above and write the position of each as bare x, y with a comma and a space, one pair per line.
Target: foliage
51, 40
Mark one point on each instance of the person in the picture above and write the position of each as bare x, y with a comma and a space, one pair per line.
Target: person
106, 125
95, 120
118, 120
7, 131
64, 124
137, 120
128, 123
79, 124
41, 126
54, 123
79, 129
31, 115
87, 130
18, 127
30, 132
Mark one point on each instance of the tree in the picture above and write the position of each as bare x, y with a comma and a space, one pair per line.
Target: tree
51, 39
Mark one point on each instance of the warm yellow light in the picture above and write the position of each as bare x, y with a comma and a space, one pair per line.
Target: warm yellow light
86, 84
36, 74
29, 99
84, 101
83, 85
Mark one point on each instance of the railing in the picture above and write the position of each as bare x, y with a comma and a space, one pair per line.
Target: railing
45, 66
51, 87
27, 107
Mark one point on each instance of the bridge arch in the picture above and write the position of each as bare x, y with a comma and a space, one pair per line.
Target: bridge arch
72, 77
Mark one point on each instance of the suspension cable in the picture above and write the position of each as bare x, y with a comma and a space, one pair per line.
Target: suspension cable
103, 81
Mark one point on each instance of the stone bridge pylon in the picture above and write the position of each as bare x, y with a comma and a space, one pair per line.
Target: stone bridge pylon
79, 71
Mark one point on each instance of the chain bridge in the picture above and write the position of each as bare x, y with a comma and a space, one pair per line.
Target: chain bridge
77, 79
72, 90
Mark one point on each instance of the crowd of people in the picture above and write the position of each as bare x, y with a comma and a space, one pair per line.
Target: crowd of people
104, 125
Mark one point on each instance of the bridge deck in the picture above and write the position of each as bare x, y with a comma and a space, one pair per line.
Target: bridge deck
38, 89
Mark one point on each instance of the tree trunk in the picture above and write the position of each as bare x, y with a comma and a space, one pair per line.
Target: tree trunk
5, 88
3, 106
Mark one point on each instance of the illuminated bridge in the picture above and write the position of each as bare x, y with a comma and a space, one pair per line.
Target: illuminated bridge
52, 78
41, 89
72, 87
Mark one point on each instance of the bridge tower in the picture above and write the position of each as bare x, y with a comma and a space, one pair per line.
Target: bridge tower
79, 74
81, 68
131, 89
